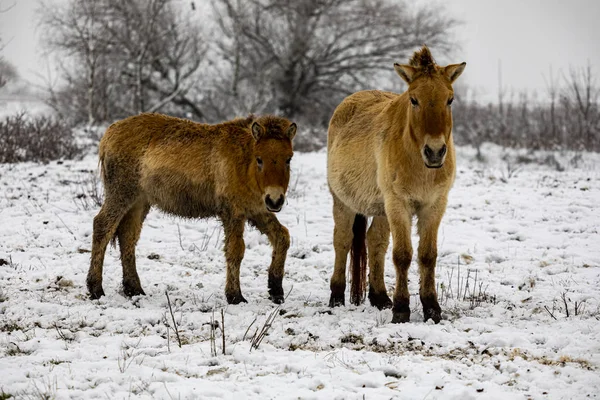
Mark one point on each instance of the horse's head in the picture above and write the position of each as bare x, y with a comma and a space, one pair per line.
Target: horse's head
429, 97
272, 156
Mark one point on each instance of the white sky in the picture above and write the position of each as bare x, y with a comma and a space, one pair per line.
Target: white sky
527, 36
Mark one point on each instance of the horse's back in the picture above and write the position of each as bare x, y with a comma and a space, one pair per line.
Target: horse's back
174, 163
355, 114
351, 151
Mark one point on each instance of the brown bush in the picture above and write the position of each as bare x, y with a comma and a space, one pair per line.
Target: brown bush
42, 139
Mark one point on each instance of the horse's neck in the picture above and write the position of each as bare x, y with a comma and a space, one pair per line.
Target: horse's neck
397, 126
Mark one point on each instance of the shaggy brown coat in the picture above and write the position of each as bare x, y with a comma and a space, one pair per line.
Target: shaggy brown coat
390, 157
237, 171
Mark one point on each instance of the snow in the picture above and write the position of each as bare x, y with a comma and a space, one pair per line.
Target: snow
520, 234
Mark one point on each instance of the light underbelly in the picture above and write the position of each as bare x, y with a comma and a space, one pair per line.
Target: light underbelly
363, 197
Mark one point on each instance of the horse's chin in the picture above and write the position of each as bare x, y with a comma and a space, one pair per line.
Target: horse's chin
434, 166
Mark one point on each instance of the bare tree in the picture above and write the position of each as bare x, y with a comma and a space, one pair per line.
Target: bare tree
7, 70
77, 32
307, 54
130, 56
580, 99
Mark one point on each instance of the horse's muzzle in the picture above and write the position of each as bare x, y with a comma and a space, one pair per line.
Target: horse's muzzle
274, 206
434, 158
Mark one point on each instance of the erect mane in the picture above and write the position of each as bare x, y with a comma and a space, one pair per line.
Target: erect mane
275, 127
244, 122
423, 60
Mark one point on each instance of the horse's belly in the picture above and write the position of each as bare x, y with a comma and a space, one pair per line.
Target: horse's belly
177, 195
362, 197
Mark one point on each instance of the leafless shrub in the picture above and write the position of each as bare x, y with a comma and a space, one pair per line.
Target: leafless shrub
566, 117
260, 334
40, 139
466, 288
127, 355
175, 326
89, 193
566, 306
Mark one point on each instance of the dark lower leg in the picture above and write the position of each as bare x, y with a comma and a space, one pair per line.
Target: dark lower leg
427, 290
234, 253
279, 238
377, 241
401, 306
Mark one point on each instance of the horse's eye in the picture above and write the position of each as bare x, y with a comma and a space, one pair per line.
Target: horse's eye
450, 100
259, 162
414, 101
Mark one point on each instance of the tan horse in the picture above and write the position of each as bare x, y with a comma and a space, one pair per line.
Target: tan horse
391, 156
237, 171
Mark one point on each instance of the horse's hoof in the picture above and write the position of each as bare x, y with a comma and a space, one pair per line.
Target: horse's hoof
276, 291
432, 313
277, 298
337, 300
132, 290
431, 309
380, 300
95, 292
400, 317
236, 298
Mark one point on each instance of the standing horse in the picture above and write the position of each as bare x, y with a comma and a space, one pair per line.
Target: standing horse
391, 156
237, 171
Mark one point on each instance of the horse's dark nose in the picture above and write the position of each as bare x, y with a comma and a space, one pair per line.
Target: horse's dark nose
428, 152
274, 205
442, 151
434, 158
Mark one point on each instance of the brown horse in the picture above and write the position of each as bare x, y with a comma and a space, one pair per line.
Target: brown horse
237, 171
391, 156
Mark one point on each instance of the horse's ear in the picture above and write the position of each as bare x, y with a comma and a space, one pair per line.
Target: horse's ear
406, 72
453, 71
291, 132
257, 130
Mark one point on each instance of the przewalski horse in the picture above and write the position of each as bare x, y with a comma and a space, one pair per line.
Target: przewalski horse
237, 171
390, 156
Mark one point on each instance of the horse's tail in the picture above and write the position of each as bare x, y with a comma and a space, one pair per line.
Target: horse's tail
358, 260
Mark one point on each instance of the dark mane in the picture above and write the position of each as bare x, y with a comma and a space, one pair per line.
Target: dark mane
243, 122
423, 60
276, 127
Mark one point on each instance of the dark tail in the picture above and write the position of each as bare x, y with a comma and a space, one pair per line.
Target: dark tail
358, 260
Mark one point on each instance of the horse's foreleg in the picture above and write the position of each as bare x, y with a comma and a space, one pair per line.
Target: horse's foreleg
279, 238
399, 218
428, 223
378, 239
234, 253
343, 219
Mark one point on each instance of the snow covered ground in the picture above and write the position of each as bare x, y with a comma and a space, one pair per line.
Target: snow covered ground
519, 248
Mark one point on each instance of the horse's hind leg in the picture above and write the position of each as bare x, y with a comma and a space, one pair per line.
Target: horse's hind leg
279, 238
428, 223
128, 234
343, 219
378, 239
234, 253
105, 226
